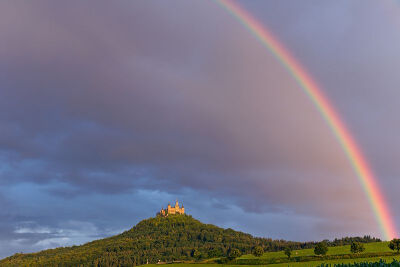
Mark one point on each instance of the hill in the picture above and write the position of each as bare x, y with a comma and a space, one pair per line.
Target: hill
176, 237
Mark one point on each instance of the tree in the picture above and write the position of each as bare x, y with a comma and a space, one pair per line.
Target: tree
321, 248
213, 253
288, 252
395, 244
356, 247
196, 254
234, 253
258, 251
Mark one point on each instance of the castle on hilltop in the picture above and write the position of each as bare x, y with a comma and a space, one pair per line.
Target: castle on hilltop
171, 210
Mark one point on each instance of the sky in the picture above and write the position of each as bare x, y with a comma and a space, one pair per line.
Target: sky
111, 110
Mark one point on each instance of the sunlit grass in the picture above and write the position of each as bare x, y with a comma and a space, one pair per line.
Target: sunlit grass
292, 264
339, 250
369, 248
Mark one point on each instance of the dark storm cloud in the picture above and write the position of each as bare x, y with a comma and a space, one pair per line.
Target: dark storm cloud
107, 108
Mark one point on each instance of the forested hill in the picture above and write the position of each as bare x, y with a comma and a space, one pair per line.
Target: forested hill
177, 237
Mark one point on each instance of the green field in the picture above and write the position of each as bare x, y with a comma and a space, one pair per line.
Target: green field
290, 264
379, 247
369, 248
294, 264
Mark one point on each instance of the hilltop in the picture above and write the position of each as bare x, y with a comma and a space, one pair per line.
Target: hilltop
176, 237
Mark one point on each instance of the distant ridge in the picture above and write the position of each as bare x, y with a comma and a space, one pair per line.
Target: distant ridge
165, 239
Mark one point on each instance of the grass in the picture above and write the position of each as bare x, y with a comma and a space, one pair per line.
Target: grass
369, 248
379, 247
318, 263
291, 264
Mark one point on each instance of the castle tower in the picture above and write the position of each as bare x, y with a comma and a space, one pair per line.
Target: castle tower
171, 210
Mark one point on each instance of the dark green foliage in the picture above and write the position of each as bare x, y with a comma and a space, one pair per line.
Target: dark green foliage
395, 244
356, 247
380, 263
195, 254
258, 251
234, 253
321, 248
288, 252
348, 240
214, 253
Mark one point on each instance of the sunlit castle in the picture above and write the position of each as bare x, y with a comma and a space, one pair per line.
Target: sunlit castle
171, 210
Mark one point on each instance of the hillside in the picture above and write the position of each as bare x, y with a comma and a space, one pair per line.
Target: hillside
177, 237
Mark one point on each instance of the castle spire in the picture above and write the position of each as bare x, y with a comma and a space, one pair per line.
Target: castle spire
172, 209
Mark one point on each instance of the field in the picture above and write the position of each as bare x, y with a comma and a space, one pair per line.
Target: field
370, 248
291, 264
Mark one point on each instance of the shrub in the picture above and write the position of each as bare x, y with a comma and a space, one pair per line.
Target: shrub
234, 253
258, 251
395, 244
321, 248
288, 252
356, 247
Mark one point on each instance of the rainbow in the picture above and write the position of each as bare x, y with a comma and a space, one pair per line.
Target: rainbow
313, 91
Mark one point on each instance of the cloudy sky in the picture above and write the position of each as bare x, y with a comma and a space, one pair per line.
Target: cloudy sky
110, 110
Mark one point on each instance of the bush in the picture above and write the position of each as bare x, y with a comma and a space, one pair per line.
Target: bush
195, 254
321, 248
356, 247
258, 251
288, 252
213, 253
395, 244
234, 253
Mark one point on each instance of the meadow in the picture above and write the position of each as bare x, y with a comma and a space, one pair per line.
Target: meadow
339, 251
376, 247
292, 264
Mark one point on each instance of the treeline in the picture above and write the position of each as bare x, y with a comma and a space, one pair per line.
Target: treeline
173, 238
349, 240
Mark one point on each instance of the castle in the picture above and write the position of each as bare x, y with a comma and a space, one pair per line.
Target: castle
171, 210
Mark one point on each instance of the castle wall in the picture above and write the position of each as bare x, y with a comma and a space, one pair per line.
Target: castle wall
172, 210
